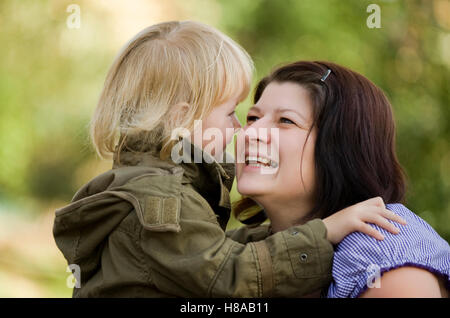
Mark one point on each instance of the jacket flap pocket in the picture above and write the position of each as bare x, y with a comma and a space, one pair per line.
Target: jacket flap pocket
161, 214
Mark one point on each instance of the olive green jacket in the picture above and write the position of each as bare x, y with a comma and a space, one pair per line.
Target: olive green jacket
153, 228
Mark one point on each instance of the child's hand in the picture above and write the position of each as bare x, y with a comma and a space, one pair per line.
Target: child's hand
355, 218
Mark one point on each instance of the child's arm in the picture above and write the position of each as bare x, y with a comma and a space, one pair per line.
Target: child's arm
340, 224
201, 261
245, 234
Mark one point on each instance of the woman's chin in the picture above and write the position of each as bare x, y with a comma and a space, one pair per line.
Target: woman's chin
251, 188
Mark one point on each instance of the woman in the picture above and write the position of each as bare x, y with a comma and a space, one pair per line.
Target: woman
335, 135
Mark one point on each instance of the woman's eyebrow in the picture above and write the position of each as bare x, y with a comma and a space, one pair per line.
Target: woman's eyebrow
283, 110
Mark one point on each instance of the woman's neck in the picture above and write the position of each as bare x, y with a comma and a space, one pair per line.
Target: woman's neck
284, 213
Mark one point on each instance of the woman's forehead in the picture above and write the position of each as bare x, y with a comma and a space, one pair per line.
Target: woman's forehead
285, 97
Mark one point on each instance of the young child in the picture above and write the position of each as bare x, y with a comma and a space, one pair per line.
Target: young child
151, 227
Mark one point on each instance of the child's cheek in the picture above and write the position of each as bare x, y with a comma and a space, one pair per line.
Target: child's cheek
229, 134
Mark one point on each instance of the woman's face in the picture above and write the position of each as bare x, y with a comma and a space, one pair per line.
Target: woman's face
287, 108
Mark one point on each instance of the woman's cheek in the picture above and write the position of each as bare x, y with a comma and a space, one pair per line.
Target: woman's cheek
309, 166
291, 155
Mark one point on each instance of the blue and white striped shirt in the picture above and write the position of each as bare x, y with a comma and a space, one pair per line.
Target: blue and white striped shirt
359, 258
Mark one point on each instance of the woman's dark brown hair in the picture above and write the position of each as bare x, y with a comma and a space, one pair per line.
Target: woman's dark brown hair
355, 155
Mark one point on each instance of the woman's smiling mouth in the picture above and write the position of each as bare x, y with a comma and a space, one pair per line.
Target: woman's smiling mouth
256, 162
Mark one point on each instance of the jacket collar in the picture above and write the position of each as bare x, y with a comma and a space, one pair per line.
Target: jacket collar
208, 176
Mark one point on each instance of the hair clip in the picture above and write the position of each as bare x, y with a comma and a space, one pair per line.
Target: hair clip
325, 76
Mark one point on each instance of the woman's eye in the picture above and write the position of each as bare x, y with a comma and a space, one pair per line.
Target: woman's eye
231, 114
251, 118
286, 121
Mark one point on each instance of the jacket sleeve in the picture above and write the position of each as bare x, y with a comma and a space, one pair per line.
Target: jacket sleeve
246, 234
199, 260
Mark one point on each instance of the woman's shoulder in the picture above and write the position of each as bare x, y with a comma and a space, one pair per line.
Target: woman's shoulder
416, 233
359, 256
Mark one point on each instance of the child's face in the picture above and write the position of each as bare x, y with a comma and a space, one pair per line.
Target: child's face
221, 123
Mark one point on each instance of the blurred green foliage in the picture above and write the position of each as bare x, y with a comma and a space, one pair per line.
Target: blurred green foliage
51, 77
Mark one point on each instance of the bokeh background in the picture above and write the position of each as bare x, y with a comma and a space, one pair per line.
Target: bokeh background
51, 76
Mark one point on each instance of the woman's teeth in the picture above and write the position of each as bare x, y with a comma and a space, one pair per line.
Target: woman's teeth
260, 162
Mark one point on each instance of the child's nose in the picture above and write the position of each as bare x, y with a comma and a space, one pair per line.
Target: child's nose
236, 123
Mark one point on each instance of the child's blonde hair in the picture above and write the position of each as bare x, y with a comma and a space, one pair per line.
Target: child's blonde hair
167, 64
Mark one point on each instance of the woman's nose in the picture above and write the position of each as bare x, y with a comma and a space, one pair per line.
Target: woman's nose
259, 131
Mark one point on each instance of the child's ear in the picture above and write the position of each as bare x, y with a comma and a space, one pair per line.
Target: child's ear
183, 107
178, 112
